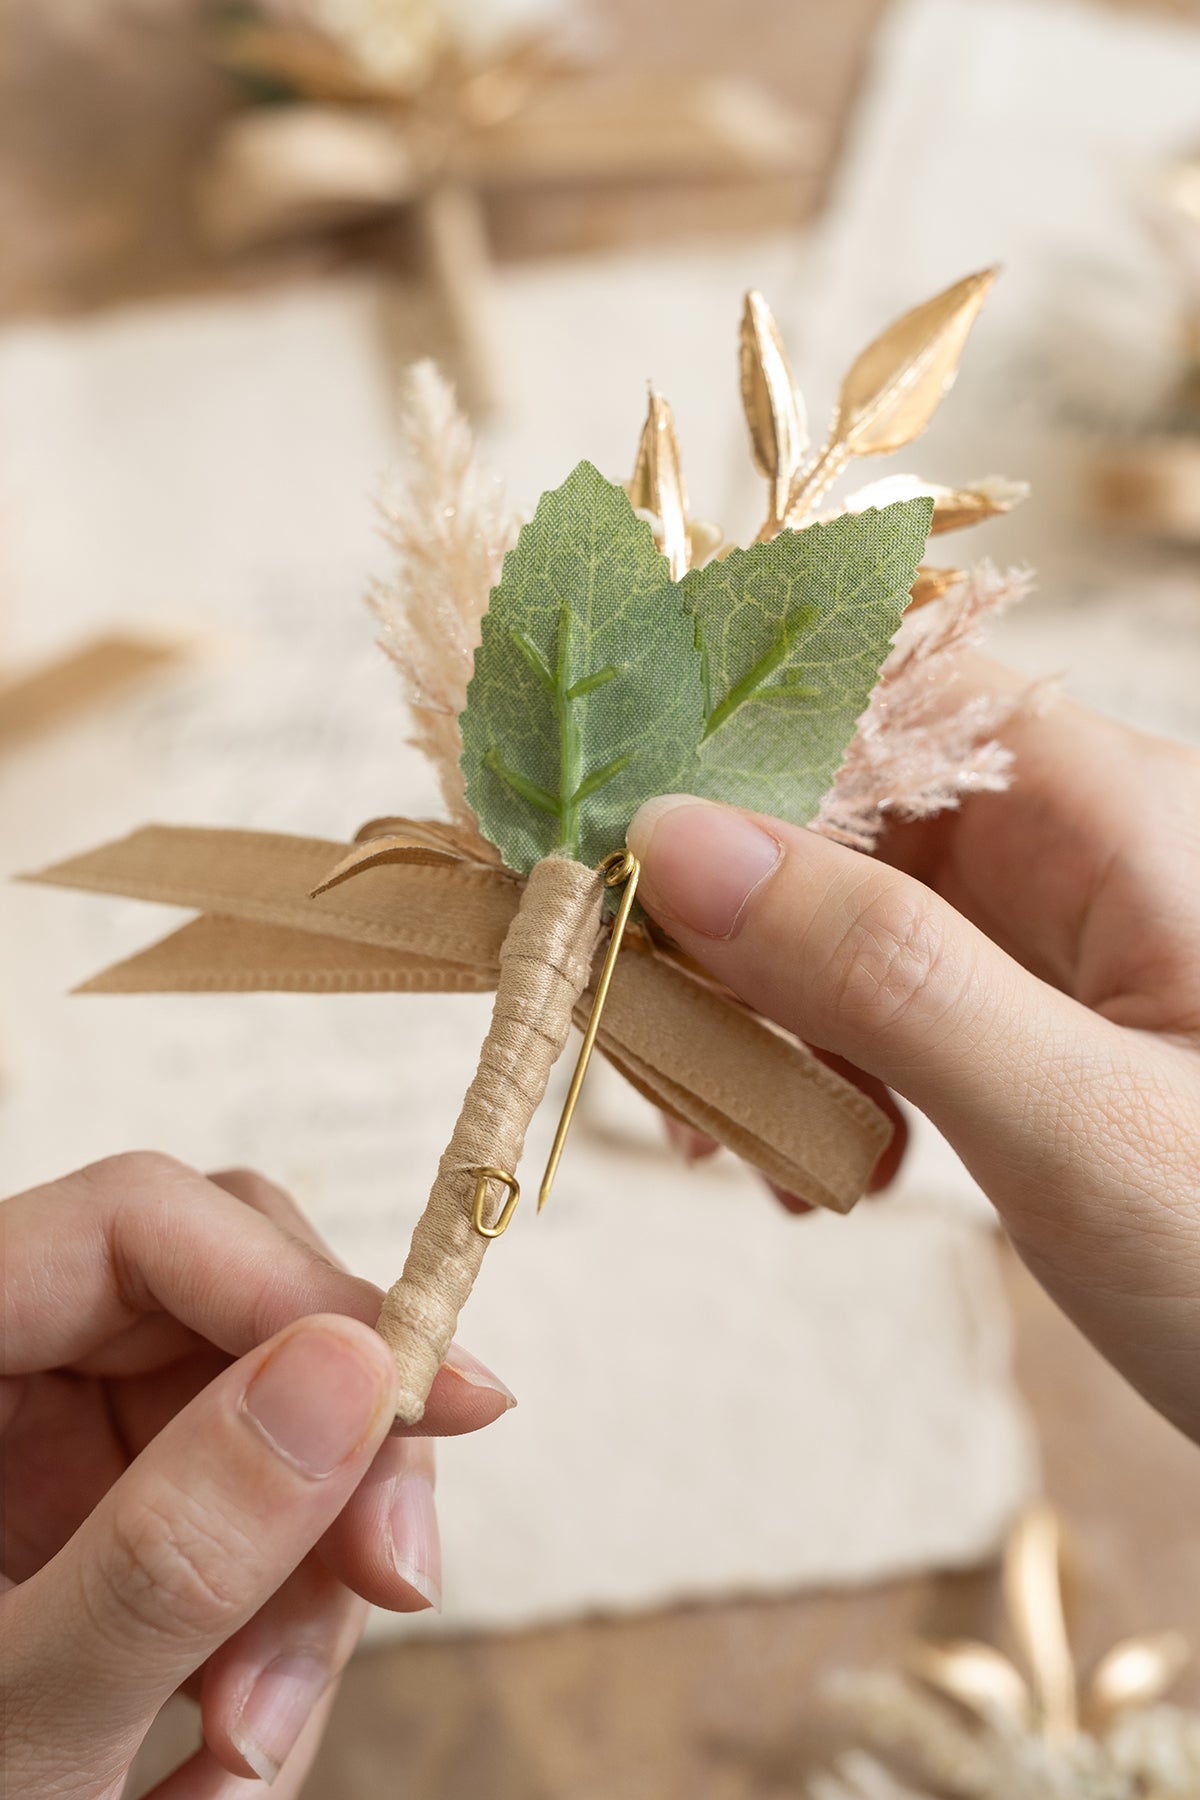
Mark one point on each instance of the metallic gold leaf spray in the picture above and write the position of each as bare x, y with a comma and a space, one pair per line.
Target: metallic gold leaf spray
895, 386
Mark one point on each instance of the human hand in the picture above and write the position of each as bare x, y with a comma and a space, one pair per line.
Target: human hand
178, 1518
1027, 973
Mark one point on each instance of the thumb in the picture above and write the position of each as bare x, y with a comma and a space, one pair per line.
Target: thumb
1081, 1133
862, 960
193, 1539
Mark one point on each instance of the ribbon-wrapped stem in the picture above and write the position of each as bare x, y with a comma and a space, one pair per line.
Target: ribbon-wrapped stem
545, 966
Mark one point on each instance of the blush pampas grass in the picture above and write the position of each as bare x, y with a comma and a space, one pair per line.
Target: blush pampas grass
447, 523
921, 747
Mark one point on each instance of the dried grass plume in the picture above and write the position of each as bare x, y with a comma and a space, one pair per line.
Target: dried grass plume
448, 525
920, 747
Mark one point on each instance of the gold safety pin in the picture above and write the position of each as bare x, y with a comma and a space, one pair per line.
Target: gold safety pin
620, 866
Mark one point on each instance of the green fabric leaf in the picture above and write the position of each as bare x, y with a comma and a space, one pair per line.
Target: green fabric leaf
792, 634
599, 682
586, 697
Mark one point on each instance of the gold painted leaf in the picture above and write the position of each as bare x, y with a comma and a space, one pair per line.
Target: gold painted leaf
1136, 1672
774, 410
895, 386
931, 584
953, 508
656, 485
1033, 1589
976, 1676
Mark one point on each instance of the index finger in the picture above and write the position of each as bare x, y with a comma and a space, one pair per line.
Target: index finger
141, 1234
1028, 866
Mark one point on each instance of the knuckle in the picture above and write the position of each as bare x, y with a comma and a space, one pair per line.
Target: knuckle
170, 1572
239, 1177
134, 1170
264, 1196
256, 1193
892, 957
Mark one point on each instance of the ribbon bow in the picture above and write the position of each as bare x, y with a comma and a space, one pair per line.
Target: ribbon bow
413, 907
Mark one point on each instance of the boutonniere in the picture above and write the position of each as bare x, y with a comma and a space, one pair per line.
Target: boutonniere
609, 650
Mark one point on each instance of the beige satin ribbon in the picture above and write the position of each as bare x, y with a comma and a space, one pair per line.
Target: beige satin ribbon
411, 912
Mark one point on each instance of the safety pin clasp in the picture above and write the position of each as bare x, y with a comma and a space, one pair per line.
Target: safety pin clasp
485, 1173
620, 866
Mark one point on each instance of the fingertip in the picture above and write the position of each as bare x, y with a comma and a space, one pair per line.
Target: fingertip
466, 1395
385, 1544
414, 1544
264, 1684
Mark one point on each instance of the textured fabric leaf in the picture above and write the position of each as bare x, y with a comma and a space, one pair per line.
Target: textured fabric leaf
792, 634
586, 697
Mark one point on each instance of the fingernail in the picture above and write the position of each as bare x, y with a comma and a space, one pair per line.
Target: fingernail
476, 1374
700, 863
316, 1398
276, 1712
416, 1545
